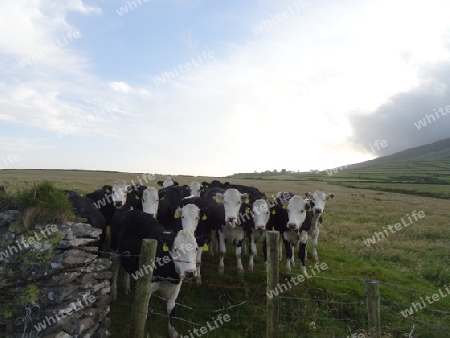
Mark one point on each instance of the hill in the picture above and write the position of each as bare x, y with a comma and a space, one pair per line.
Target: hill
436, 151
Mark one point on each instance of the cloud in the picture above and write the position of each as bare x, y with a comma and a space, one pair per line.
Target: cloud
397, 120
121, 87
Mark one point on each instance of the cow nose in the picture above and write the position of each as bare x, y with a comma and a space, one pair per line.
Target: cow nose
291, 226
118, 203
190, 273
260, 227
152, 215
318, 210
231, 219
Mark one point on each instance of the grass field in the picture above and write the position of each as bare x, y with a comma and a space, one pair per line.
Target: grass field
413, 262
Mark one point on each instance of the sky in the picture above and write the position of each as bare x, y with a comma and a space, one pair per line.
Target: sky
212, 88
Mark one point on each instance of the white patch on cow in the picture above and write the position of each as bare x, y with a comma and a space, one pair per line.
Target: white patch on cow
297, 212
232, 200
119, 193
194, 188
168, 182
190, 215
150, 201
184, 253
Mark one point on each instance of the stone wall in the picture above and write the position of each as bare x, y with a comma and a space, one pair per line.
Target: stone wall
52, 283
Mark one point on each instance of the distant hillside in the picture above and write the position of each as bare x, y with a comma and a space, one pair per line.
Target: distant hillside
436, 151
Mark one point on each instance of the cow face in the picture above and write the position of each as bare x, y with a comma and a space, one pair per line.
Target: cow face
296, 208
319, 198
194, 188
232, 200
150, 201
184, 253
119, 193
190, 215
261, 214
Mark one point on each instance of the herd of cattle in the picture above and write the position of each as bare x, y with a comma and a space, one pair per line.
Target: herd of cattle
187, 220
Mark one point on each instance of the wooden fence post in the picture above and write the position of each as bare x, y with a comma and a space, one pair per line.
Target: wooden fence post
143, 287
373, 308
272, 238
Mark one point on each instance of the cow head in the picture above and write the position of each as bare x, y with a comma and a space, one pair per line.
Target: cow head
184, 253
320, 199
296, 208
261, 213
232, 200
150, 201
190, 215
194, 188
119, 193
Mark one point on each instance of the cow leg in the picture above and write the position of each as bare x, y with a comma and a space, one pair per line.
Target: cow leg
292, 257
238, 250
223, 250
198, 279
172, 333
314, 244
302, 252
252, 251
288, 247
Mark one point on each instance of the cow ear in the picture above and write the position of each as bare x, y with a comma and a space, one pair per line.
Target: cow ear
162, 195
245, 198
218, 197
177, 213
329, 196
175, 183
308, 195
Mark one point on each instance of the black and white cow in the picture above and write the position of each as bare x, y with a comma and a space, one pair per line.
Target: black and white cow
227, 208
175, 258
84, 207
203, 229
292, 216
319, 198
171, 198
261, 217
102, 200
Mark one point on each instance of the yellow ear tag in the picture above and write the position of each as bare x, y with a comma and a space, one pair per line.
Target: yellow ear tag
205, 247
284, 207
204, 218
137, 197
274, 212
108, 191
217, 200
247, 211
247, 201
162, 198
165, 247
176, 215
